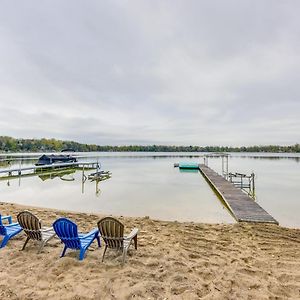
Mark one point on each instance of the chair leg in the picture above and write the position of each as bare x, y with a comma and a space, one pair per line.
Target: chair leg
104, 253
27, 239
98, 240
81, 254
64, 251
135, 242
4, 241
124, 256
41, 246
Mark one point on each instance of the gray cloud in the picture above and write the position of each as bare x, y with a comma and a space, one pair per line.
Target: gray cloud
168, 72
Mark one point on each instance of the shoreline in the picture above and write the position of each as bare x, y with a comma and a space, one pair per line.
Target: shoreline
174, 260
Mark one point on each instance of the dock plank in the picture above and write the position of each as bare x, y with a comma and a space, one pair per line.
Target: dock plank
242, 207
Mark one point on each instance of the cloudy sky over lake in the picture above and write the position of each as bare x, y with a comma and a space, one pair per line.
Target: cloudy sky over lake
144, 72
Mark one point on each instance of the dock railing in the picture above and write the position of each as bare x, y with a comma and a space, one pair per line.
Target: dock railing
244, 182
224, 157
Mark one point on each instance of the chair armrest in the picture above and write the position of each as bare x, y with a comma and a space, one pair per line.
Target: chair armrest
8, 218
47, 229
12, 224
92, 232
132, 234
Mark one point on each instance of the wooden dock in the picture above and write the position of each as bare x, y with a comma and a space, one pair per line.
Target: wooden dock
242, 207
19, 171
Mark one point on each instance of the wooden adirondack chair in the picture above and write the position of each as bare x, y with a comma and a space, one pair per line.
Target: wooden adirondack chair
112, 232
68, 233
33, 228
8, 231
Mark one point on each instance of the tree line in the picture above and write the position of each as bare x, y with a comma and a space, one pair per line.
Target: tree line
10, 144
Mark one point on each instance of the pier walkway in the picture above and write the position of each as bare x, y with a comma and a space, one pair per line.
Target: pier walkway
242, 207
19, 171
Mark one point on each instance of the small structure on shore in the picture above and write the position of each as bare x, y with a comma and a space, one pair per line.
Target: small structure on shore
52, 159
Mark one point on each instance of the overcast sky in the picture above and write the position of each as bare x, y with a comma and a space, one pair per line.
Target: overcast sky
151, 72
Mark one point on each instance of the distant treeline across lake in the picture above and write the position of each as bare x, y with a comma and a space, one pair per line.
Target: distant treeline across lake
10, 144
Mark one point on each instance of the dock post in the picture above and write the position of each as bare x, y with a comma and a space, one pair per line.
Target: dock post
83, 173
223, 166
226, 167
82, 180
206, 161
253, 186
19, 173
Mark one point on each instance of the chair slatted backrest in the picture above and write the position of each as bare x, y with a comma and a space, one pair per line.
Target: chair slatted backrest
112, 232
31, 225
67, 231
2, 227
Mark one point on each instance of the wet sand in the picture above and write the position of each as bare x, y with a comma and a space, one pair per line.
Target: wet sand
173, 261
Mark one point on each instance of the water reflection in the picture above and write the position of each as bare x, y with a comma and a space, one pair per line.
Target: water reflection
139, 186
147, 184
296, 159
61, 174
181, 170
271, 156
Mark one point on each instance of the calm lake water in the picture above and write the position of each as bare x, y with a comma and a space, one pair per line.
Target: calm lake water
147, 184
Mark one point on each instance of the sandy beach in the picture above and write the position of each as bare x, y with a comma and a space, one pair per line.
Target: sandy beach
173, 261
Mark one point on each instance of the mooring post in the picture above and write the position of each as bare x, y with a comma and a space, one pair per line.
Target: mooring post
83, 173
206, 161
19, 173
82, 180
227, 167
253, 185
97, 187
223, 166
241, 181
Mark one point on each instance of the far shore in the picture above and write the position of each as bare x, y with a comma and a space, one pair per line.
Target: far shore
174, 261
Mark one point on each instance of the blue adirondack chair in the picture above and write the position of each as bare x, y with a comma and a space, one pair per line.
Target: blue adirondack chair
8, 231
67, 231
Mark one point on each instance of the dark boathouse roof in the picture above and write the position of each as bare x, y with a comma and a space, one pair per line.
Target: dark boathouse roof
52, 158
